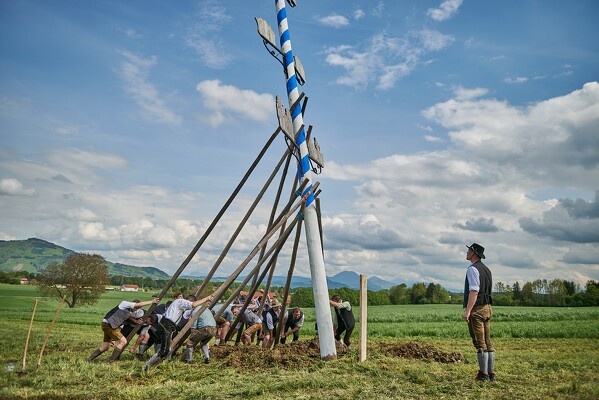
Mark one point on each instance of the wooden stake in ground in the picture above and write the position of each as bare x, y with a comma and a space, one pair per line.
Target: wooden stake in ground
363, 316
39, 361
29, 334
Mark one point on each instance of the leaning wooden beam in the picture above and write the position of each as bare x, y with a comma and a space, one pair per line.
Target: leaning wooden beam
39, 360
241, 225
254, 272
319, 215
29, 334
280, 326
273, 211
221, 310
277, 246
199, 244
220, 291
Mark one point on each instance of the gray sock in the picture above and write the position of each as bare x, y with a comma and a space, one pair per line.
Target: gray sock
95, 354
206, 351
187, 354
152, 361
482, 360
491, 362
142, 349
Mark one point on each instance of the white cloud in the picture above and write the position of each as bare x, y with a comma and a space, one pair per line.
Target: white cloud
67, 130
204, 35
334, 20
135, 73
359, 14
519, 79
462, 93
12, 187
479, 189
385, 59
6, 236
446, 10
432, 139
81, 214
225, 100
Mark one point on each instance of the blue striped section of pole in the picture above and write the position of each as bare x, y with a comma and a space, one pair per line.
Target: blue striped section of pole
317, 270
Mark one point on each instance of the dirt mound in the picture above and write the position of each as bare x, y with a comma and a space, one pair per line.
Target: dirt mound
306, 353
295, 355
413, 350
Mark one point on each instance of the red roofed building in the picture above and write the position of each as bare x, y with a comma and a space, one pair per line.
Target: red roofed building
129, 288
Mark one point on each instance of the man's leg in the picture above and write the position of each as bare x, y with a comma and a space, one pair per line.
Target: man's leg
347, 336
338, 332
476, 326
489, 345
103, 347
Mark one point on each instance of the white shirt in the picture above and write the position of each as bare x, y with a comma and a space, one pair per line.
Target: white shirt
175, 311
473, 277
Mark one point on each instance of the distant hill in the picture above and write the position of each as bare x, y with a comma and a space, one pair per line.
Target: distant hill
33, 255
352, 280
345, 279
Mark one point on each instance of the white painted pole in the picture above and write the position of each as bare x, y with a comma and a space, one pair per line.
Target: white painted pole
317, 269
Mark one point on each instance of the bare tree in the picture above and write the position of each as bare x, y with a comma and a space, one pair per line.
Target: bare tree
82, 278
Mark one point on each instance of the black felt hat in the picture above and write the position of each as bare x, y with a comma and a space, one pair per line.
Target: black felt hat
478, 249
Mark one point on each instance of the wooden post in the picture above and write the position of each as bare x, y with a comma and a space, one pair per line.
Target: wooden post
363, 316
39, 361
29, 334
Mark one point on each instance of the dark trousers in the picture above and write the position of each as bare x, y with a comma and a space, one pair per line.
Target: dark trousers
165, 330
348, 331
295, 334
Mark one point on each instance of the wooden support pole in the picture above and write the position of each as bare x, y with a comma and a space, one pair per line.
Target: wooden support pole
29, 334
241, 225
39, 361
276, 246
220, 291
276, 201
363, 316
280, 326
204, 236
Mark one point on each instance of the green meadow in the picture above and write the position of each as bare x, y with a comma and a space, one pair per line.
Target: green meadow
542, 353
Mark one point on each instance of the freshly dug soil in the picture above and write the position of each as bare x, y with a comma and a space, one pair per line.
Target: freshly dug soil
414, 350
305, 353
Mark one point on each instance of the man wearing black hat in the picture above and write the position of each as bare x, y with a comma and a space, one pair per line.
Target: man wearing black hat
477, 301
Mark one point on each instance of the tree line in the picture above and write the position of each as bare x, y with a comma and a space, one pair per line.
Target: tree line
540, 292
83, 277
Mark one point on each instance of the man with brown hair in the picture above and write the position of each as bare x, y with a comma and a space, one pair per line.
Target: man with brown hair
478, 311
269, 323
343, 320
294, 320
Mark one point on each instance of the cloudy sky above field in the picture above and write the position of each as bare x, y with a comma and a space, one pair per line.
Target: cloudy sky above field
125, 126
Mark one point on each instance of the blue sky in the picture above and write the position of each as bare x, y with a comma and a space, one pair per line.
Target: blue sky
126, 125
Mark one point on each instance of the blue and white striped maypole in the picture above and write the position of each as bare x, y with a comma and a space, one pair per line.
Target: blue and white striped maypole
317, 270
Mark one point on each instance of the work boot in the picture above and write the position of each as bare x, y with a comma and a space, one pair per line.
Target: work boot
491, 364
481, 377
207, 360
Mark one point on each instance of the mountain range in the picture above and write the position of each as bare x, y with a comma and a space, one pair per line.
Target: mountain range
33, 255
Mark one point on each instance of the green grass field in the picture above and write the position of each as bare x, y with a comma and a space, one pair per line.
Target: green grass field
541, 353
